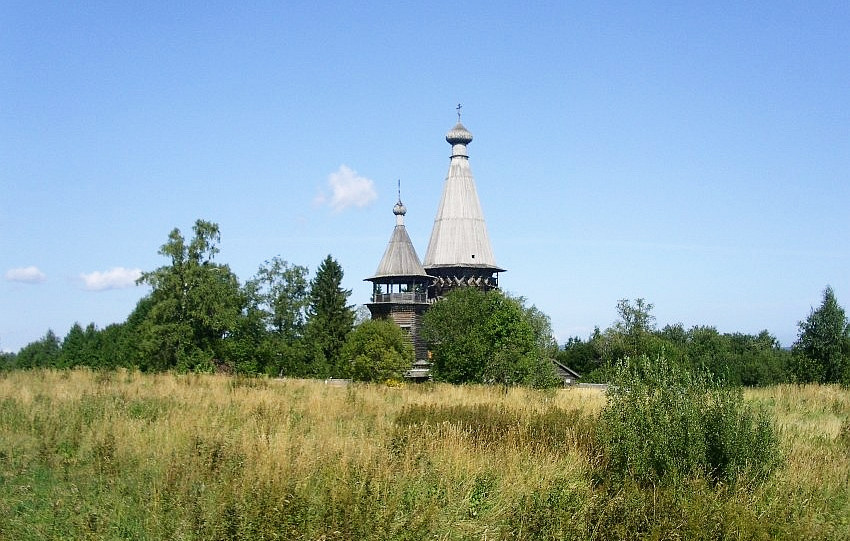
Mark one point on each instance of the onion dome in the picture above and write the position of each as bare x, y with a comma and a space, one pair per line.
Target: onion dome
399, 209
459, 135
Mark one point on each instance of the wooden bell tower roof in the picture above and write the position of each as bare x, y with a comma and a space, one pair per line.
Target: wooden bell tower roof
400, 259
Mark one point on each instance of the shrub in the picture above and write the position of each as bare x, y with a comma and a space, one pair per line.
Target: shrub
377, 350
663, 423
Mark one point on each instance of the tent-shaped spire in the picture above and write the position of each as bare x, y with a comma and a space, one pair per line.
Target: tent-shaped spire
400, 259
459, 238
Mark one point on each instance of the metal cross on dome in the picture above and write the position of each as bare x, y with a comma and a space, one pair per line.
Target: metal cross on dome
459, 106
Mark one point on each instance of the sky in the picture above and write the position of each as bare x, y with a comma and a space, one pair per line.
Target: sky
694, 154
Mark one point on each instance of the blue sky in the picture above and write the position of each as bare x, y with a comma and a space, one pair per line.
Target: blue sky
697, 156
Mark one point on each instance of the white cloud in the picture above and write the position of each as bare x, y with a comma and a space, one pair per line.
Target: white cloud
348, 189
114, 278
27, 275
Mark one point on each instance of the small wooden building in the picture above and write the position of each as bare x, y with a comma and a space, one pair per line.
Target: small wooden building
567, 374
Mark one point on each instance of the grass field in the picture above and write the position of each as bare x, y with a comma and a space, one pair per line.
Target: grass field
124, 455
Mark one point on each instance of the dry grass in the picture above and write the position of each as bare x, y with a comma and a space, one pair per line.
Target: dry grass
126, 455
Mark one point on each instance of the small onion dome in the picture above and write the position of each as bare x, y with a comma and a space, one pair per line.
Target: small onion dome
399, 209
459, 135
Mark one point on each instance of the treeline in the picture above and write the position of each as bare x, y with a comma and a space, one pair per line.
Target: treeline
821, 353
199, 317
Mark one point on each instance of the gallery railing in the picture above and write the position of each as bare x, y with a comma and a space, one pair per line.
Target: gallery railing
400, 297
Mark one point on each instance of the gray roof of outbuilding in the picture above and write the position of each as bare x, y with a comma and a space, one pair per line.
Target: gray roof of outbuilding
459, 237
400, 259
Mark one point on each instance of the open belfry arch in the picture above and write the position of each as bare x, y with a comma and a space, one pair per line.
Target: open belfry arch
459, 254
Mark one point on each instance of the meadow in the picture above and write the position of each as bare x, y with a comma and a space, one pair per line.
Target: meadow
126, 455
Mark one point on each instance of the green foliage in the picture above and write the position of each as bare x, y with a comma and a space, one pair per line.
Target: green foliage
580, 355
822, 349
195, 304
488, 337
329, 320
663, 423
44, 352
632, 335
734, 358
197, 317
269, 338
554, 511
280, 292
635, 326
81, 347
8, 360
377, 350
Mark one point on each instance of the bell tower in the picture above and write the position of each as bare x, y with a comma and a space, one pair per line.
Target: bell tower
400, 287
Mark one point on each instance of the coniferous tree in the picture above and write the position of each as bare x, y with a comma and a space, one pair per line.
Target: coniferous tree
7, 360
42, 353
114, 343
329, 320
81, 347
822, 349
73, 347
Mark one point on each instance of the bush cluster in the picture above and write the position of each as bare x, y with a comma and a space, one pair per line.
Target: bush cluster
663, 423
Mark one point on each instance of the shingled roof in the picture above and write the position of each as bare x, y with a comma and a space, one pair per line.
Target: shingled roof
400, 259
459, 237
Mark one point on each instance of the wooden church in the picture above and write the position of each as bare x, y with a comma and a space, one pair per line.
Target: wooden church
459, 254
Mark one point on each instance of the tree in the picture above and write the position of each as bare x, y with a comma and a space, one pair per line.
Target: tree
487, 337
281, 292
732, 358
8, 360
708, 350
822, 349
195, 303
42, 353
632, 335
73, 347
124, 343
636, 325
81, 347
541, 325
329, 320
269, 338
377, 350
115, 345
760, 359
